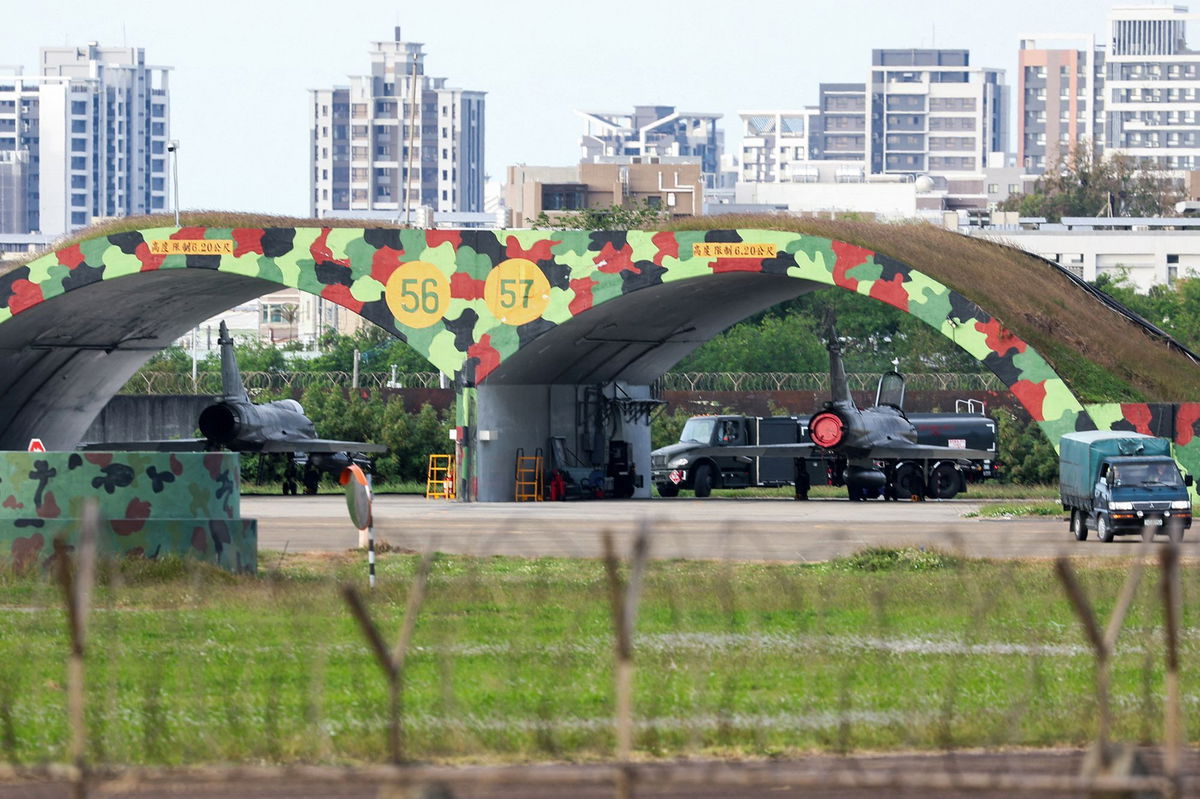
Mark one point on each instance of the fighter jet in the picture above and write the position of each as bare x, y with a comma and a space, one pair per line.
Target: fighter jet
876, 451
237, 424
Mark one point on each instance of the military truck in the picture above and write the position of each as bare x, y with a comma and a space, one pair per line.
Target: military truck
1121, 483
712, 453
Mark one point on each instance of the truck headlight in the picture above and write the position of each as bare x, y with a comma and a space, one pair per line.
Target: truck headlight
1120, 506
1181, 504
677, 463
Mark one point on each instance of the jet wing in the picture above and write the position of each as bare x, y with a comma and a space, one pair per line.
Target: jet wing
318, 445
896, 449
164, 445
797, 450
905, 451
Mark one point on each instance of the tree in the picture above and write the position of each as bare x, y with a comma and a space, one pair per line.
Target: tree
640, 215
1085, 183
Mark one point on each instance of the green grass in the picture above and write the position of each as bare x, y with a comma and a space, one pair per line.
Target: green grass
886, 649
1005, 509
986, 490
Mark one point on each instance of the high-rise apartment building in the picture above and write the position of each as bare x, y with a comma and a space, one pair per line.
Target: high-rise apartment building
932, 113
396, 140
1060, 99
1152, 87
651, 131
85, 139
1138, 95
923, 112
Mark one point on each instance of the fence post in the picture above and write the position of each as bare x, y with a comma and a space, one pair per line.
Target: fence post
624, 603
1173, 712
392, 663
76, 586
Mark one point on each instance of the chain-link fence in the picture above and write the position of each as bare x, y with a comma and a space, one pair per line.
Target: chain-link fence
302, 678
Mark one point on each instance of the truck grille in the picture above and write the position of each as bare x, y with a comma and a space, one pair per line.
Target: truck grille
1151, 506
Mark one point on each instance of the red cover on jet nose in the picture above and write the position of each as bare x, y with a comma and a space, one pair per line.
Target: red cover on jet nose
826, 429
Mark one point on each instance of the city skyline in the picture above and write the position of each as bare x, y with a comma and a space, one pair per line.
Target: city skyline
241, 73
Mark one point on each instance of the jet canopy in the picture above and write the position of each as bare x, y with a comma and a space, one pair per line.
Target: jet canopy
891, 390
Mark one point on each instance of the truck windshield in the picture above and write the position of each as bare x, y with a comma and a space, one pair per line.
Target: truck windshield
1147, 474
697, 431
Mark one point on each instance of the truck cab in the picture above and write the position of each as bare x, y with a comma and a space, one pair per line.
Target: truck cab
675, 467
1136, 493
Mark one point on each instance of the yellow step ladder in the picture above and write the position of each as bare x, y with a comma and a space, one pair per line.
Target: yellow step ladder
529, 483
439, 481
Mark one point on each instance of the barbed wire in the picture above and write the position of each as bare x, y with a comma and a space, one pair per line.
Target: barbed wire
210, 382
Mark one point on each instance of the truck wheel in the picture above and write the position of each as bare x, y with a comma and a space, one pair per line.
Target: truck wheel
1104, 529
1079, 525
667, 489
945, 481
702, 483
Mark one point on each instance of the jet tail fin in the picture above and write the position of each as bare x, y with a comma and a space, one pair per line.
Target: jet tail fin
839, 385
232, 387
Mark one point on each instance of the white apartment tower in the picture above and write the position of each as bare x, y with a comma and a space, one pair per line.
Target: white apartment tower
85, 139
396, 141
1152, 86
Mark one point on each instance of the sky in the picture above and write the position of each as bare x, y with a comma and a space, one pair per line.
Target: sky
242, 68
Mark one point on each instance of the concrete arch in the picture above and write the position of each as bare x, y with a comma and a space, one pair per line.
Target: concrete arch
76, 323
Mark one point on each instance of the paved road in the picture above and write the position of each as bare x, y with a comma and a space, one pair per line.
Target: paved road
744, 529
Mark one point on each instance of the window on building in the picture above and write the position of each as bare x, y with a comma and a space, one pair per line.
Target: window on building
79, 107
993, 188
79, 181
160, 110
79, 217
79, 145
78, 162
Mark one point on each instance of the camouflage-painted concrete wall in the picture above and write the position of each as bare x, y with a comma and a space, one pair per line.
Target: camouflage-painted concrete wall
152, 504
468, 300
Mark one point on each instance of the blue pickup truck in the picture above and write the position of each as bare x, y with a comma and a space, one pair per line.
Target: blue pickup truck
1122, 483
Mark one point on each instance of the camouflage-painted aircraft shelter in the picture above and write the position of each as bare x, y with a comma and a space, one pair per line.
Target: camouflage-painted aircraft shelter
545, 333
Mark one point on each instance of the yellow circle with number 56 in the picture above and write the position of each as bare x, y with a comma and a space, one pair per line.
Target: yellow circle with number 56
418, 294
516, 291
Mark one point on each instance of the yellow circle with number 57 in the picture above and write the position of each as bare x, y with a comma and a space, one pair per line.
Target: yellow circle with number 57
516, 291
418, 294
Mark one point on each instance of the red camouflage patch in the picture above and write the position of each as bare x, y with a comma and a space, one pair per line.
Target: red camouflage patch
891, 291
436, 238
25, 551
583, 295
149, 260
199, 540
722, 265
101, 459
1000, 339
322, 254
667, 244
247, 240
49, 508
213, 462
1138, 414
489, 357
71, 256
465, 287
540, 251
24, 295
384, 262
848, 256
136, 513
612, 261
1185, 422
1032, 396
341, 295
176, 466
189, 233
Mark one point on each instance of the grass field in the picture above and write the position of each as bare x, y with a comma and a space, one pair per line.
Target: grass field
513, 660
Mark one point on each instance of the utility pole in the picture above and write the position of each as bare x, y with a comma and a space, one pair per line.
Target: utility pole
173, 149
